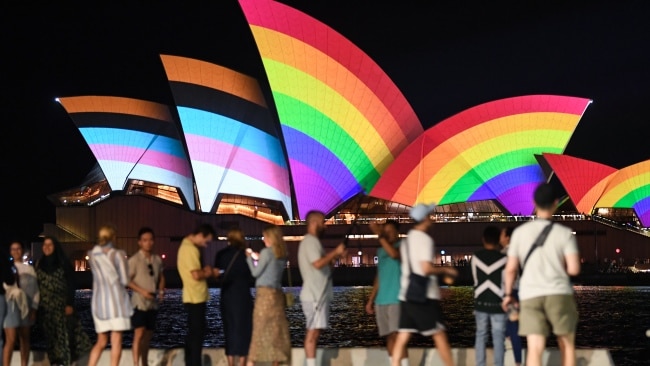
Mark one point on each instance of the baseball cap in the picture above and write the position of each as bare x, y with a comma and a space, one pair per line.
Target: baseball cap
420, 211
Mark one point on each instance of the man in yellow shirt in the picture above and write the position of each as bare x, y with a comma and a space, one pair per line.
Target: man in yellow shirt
195, 289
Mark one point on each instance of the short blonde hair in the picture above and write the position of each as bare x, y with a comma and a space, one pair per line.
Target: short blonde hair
279, 247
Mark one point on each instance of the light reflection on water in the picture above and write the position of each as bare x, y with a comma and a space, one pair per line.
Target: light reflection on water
610, 317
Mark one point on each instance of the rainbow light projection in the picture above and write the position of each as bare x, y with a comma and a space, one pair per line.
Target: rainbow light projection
343, 120
230, 135
132, 139
593, 185
630, 188
485, 152
584, 180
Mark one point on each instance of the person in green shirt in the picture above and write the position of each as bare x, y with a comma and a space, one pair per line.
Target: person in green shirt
384, 298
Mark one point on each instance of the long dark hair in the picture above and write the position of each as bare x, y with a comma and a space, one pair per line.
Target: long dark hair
58, 259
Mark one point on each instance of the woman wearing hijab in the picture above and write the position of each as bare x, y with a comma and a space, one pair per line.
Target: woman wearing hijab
66, 340
236, 300
110, 304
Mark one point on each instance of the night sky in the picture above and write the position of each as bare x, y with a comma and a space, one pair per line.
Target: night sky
444, 57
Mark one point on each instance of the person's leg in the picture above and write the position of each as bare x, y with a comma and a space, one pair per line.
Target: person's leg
481, 337
231, 360
144, 346
311, 340
567, 349
512, 329
138, 335
23, 338
195, 333
390, 343
98, 348
116, 348
535, 348
10, 341
444, 349
242, 360
563, 316
399, 349
498, 324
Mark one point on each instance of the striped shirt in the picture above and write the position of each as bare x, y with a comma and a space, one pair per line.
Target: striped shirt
110, 299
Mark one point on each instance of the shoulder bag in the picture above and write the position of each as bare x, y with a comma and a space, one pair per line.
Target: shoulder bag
538, 242
416, 292
225, 273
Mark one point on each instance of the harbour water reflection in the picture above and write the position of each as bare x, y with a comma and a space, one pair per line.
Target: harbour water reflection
615, 318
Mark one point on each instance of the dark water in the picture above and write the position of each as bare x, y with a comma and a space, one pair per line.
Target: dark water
615, 318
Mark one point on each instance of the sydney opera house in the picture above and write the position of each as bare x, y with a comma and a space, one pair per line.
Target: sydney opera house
334, 134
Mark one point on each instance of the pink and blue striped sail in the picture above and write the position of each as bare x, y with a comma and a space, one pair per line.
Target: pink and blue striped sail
231, 138
133, 140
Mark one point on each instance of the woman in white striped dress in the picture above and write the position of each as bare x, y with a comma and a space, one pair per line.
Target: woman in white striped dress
110, 305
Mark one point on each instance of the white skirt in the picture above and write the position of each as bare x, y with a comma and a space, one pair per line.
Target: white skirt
115, 324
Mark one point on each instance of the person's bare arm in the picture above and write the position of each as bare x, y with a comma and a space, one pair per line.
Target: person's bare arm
388, 247
329, 257
428, 268
572, 264
202, 274
161, 286
373, 294
510, 272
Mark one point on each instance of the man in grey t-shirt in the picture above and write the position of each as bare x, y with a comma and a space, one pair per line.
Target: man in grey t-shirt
147, 281
316, 293
545, 291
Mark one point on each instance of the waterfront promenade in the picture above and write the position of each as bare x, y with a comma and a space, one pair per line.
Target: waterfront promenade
342, 357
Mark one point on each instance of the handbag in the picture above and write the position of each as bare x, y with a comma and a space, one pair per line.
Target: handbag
289, 297
416, 292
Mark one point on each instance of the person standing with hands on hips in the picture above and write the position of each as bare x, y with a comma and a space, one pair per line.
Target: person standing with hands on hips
315, 269
147, 281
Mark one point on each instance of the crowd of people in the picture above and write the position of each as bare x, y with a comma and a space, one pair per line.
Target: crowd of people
406, 296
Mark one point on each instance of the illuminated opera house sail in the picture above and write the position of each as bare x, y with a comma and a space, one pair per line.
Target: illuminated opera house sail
593, 186
330, 125
343, 120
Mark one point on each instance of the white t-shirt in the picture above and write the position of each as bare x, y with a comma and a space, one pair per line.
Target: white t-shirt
545, 272
316, 283
417, 247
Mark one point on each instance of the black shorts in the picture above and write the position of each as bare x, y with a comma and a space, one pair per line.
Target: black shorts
141, 318
426, 318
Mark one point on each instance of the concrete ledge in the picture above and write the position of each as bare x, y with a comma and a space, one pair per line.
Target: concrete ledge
339, 357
